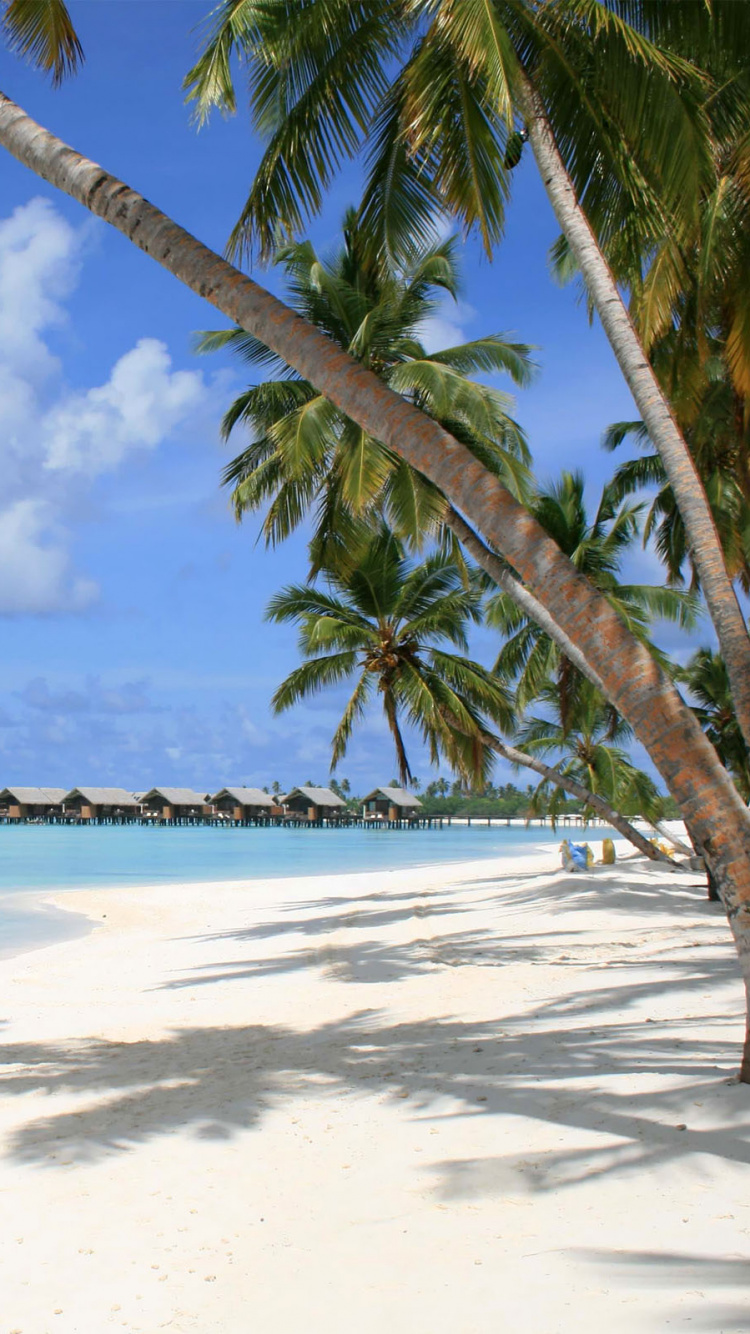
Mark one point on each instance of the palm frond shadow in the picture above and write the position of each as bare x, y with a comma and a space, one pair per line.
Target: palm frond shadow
563, 1060
685, 1272
217, 1081
685, 892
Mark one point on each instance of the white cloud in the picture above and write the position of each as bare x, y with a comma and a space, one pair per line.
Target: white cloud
441, 330
39, 262
54, 440
35, 568
141, 404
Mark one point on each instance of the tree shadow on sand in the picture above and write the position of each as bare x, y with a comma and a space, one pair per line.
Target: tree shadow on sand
698, 1275
381, 959
683, 892
217, 1081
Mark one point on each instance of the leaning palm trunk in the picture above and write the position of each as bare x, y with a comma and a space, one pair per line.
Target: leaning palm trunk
518, 593
690, 496
591, 799
629, 675
676, 842
500, 574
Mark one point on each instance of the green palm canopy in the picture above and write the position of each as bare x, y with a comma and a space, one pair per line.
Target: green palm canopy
588, 737
391, 626
706, 678
597, 547
718, 435
436, 92
306, 456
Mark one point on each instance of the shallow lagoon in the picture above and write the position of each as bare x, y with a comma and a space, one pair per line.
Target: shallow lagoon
44, 857
41, 858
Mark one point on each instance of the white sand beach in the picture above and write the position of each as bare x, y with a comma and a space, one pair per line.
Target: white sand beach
481, 1097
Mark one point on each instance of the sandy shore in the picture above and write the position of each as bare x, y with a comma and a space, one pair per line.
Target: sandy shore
488, 1097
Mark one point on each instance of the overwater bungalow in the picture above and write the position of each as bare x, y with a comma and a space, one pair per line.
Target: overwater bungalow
110, 804
31, 803
314, 804
176, 805
391, 803
244, 805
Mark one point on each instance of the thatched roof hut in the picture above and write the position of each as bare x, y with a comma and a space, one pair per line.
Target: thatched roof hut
243, 803
314, 803
24, 803
101, 803
176, 803
391, 803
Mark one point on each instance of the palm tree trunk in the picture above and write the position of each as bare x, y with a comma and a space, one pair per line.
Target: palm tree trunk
686, 760
389, 705
500, 574
529, 605
583, 794
677, 843
687, 487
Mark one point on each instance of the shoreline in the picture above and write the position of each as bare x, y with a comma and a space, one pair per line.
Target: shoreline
454, 1097
34, 904
50, 865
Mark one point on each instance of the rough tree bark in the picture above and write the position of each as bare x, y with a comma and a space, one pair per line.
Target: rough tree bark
631, 679
531, 606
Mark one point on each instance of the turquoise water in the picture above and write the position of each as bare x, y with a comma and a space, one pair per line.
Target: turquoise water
45, 857
69, 856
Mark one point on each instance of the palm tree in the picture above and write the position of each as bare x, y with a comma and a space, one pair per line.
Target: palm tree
718, 433
387, 625
529, 657
384, 622
441, 91
306, 455
708, 683
589, 735
692, 301
630, 678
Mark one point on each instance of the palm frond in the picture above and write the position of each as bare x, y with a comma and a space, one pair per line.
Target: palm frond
318, 75
248, 348
460, 134
353, 713
209, 83
400, 207
261, 407
490, 354
42, 31
311, 677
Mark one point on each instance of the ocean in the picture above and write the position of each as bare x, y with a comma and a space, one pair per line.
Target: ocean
35, 859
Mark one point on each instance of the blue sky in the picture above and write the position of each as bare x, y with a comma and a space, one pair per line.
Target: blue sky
131, 604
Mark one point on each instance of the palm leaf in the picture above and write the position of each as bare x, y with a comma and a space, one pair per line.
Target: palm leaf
42, 31
461, 137
490, 354
400, 207
248, 348
312, 677
353, 713
317, 76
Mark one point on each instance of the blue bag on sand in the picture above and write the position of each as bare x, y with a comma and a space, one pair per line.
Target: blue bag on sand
575, 856
578, 855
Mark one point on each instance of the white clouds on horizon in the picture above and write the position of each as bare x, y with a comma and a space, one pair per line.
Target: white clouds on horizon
53, 439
